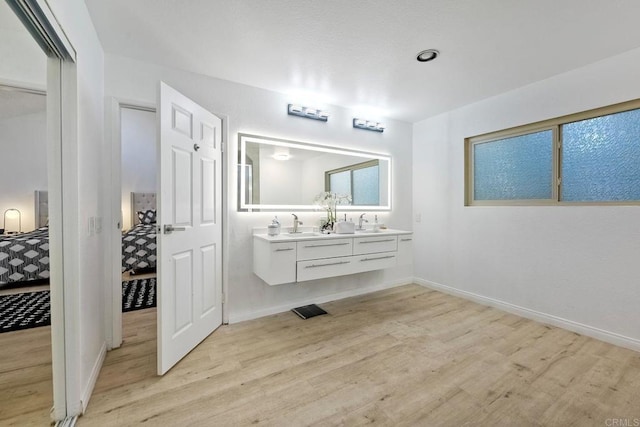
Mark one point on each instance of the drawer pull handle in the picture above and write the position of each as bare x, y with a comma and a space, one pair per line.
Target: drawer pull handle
377, 258
330, 244
325, 265
376, 241
406, 240
284, 249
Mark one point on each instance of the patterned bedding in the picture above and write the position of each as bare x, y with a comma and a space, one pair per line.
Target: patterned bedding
139, 248
24, 257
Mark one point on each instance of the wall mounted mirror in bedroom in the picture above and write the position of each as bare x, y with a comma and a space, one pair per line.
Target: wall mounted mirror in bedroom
278, 174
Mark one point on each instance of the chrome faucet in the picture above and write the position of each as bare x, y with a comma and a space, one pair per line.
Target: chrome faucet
360, 221
296, 223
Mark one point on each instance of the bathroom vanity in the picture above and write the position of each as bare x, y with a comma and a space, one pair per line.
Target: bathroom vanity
298, 257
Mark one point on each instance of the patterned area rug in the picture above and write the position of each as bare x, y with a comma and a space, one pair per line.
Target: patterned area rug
138, 294
24, 311
32, 309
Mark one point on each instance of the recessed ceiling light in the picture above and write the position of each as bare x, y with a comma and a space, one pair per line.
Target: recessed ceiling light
427, 55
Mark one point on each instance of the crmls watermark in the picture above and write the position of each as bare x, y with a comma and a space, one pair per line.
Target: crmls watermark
622, 422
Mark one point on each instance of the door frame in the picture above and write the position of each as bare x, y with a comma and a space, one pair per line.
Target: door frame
62, 147
113, 261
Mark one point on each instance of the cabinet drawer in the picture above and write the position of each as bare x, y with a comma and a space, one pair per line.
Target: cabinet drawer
321, 268
374, 244
317, 249
376, 261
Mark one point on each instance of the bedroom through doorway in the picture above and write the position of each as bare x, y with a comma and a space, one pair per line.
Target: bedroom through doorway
139, 209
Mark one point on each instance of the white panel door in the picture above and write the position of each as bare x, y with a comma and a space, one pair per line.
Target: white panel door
190, 239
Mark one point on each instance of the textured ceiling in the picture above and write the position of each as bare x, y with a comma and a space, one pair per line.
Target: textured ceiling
361, 53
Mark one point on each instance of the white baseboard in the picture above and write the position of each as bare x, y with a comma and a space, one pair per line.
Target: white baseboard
235, 318
590, 331
88, 390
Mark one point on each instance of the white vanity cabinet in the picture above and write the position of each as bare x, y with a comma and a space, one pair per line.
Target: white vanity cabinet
278, 259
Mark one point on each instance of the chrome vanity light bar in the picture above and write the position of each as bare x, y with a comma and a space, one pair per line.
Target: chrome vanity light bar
307, 112
368, 125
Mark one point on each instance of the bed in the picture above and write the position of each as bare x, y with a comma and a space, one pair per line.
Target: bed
139, 242
24, 257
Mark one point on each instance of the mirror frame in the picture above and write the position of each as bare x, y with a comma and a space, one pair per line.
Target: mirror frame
243, 138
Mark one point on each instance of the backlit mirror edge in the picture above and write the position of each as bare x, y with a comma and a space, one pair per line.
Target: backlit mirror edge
243, 138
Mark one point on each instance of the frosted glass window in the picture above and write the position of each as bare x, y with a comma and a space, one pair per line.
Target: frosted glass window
601, 158
340, 182
366, 189
515, 168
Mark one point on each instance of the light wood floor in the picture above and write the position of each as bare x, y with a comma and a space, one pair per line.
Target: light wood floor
405, 356
26, 387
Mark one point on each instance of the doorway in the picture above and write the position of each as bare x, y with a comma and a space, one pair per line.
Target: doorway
25, 317
201, 132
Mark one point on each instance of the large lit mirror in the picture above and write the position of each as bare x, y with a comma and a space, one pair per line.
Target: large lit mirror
277, 174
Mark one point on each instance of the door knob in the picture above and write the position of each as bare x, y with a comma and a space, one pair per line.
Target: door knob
170, 228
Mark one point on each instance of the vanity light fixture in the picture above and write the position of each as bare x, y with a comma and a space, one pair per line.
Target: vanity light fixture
368, 125
308, 112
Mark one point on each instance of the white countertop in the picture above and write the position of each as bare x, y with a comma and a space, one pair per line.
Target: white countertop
284, 236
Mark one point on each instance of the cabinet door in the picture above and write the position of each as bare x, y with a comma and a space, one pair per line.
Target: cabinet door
405, 249
275, 263
283, 263
374, 244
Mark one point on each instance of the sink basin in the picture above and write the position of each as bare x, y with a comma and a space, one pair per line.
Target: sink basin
302, 234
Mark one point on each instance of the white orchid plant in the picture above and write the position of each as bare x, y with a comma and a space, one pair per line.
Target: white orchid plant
329, 202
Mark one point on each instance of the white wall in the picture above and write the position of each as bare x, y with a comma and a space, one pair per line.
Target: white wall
572, 265
84, 287
138, 157
261, 112
23, 144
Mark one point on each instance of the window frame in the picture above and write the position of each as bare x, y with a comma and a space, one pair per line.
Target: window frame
555, 125
351, 168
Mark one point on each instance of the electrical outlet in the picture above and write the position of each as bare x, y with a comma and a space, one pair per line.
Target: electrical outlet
98, 224
418, 217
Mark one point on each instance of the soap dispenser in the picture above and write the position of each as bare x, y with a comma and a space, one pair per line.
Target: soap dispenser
273, 229
376, 226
